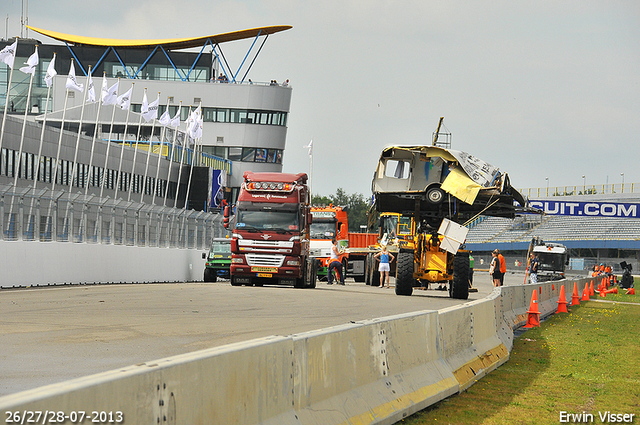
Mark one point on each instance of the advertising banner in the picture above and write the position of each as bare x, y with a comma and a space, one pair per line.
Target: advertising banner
218, 182
589, 209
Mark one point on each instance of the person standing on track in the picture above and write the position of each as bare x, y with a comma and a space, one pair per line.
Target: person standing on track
494, 269
533, 268
385, 258
334, 263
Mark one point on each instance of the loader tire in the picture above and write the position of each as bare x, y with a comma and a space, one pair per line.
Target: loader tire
404, 277
459, 286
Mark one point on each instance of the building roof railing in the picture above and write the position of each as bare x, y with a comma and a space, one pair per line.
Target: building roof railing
595, 189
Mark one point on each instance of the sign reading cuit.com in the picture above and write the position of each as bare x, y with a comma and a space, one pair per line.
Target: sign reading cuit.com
590, 209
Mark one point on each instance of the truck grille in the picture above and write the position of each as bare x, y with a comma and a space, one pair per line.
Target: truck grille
265, 260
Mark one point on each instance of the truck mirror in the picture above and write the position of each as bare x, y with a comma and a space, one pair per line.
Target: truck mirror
225, 220
204, 255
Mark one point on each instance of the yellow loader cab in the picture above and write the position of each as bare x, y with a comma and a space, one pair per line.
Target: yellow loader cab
441, 189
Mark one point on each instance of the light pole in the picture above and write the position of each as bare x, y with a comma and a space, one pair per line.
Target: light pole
622, 187
584, 185
547, 179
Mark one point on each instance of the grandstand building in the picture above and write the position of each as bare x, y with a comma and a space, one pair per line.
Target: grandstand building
595, 227
244, 121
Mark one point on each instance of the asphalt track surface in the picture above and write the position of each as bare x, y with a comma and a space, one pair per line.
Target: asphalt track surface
53, 334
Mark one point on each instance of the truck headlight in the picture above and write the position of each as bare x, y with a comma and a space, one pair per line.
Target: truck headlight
237, 260
293, 262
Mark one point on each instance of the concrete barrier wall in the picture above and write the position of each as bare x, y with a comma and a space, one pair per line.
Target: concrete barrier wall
376, 371
70, 263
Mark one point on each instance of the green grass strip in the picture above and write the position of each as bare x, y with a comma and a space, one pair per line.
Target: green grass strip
583, 362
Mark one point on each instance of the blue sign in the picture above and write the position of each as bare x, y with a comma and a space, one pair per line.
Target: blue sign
589, 209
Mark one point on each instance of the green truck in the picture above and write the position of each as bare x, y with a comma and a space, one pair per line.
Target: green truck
218, 260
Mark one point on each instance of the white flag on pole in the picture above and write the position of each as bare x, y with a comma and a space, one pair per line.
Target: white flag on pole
109, 95
197, 131
124, 100
91, 91
151, 111
165, 118
51, 72
175, 121
193, 124
72, 83
310, 147
31, 63
8, 54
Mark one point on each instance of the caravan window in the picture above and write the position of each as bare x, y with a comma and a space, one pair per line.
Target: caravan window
397, 169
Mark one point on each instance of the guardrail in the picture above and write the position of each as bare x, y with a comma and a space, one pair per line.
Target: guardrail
375, 371
591, 189
60, 216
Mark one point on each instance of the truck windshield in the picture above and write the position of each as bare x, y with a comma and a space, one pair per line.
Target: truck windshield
551, 262
286, 221
388, 226
221, 247
323, 229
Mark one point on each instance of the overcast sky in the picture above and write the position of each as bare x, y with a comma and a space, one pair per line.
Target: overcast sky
540, 89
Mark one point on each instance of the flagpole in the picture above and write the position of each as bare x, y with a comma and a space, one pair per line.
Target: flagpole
170, 157
35, 175
64, 112
106, 158
194, 153
135, 153
124, 137
18, 166
6, 102
149, 152
186, 141
193, 160
162, 134
93, 144
24, 126
75, 155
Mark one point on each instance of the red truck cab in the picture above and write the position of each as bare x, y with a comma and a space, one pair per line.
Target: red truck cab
270, 243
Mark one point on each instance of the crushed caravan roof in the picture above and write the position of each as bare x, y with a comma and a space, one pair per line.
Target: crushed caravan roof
406, 174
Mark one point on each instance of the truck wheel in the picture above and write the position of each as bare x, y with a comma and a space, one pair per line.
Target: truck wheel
207, 275
213, 276
367, 270
459, 286
301, 282
435, 195
404, 279
313, 273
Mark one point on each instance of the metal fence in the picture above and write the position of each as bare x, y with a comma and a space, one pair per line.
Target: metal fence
44, 215
592, 189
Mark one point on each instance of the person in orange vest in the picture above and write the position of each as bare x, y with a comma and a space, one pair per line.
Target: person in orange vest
601, 270
503, 267
499, 268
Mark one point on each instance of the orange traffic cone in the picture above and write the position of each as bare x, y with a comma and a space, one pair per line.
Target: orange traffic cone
603, 292
591, 291
534, 314
575, 298
606, 282
630, 291
585, 293
562, 302
613, 290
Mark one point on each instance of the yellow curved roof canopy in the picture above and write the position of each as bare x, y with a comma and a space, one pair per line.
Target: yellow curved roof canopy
168, 43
